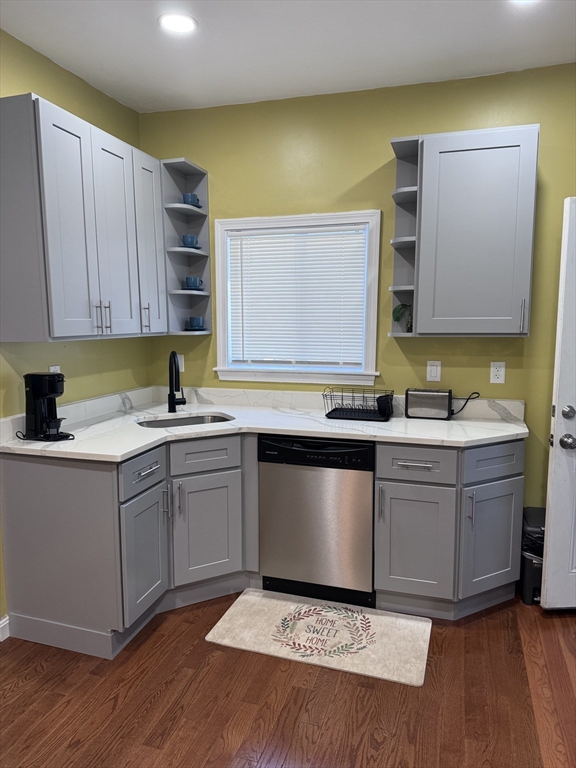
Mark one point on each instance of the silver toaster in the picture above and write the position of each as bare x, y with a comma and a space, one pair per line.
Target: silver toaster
428, 404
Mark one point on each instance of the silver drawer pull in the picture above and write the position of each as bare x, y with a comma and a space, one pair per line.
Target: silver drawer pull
143, 474
414, 465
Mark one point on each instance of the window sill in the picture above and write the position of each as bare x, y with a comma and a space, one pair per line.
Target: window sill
297, 377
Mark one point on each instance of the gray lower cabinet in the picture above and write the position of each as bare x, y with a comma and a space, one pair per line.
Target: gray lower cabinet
453, 529
415, 539
491, 524
144, 525
207, 525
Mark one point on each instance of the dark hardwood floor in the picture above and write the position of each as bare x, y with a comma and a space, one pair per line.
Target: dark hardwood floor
500, 692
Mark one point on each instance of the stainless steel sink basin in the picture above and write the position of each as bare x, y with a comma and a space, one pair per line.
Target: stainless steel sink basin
185, 421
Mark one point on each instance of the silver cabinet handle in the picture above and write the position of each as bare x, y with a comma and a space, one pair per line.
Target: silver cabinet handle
166, 499
149, 471
109, 308
522, 313
414, 465
473, 515
180, 506
100, 326
381, 503
144, 324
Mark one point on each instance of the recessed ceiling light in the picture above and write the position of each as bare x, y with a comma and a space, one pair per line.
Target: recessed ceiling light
525, 2
179, 23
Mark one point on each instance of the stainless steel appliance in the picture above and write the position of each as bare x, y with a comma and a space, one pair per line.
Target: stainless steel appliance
316, 502
429, 404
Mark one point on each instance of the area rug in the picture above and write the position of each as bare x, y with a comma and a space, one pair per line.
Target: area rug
364, 641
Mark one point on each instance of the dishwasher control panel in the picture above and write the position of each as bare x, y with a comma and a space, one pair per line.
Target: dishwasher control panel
341, 454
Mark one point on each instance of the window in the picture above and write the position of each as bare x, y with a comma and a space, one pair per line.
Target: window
297, 296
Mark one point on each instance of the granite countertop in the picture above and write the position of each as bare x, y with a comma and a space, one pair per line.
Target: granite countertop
117, 436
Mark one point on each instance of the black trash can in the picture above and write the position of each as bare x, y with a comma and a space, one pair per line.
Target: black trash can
532, 554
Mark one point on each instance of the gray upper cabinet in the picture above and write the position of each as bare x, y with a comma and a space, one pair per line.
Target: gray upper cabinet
82, 250
464, 225
69, 221
150, 240
207, 526
474, 264
116, 233
490, 535
145, 565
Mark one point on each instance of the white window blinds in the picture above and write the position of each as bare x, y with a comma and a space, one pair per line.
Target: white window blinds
297, 297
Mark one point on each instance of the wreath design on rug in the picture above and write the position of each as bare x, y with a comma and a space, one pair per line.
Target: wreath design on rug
326, 631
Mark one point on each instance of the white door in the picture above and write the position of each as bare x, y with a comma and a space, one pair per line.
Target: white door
116, 233
559, 575
69, 222
150, 239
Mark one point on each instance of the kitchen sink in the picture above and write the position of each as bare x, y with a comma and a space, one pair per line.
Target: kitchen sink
185, 421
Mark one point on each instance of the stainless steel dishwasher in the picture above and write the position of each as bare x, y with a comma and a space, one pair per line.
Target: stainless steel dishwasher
316, 502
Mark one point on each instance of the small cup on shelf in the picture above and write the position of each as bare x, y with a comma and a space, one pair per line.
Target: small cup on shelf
189, 198
196, 323
193, 283
190, 241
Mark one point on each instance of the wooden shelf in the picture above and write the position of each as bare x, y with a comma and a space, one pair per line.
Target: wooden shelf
187, 251
184, 292
401, 288
186, 210
405, 195
403, 243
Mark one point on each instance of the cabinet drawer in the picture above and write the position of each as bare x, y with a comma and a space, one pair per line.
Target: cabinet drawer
416, 465
204, 455
490, 462
143, 472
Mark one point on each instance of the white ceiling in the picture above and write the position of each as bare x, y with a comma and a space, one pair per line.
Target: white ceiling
254, 50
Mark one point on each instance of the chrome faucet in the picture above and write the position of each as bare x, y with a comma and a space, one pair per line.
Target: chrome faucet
174, 380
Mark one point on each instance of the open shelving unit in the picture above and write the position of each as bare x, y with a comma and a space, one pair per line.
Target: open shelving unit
404, 242
179, 175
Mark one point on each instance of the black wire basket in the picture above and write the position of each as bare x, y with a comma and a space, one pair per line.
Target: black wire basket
358, 404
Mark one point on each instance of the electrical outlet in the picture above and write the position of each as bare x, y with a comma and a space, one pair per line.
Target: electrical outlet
54, 369
181, 363
497, 373
434, 370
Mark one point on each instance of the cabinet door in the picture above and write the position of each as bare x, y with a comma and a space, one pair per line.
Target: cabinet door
491, 535
69, 222
476, 232
145, 572
150, 240
207, 526
414, 539
116, 233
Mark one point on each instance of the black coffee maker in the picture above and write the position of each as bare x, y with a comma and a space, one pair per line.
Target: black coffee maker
42, 422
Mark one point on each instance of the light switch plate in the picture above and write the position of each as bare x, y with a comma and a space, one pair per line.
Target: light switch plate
434, 370
54, 369
181, 363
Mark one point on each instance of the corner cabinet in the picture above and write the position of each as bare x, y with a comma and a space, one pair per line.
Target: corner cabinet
81, 251
464, 232
178, 177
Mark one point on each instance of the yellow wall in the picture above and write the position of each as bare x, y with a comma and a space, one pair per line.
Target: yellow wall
91, 368
332, 153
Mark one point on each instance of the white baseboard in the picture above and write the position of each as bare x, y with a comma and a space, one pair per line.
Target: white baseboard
4, 633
